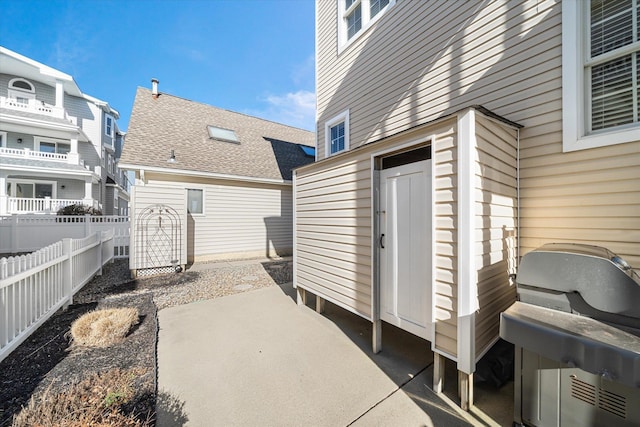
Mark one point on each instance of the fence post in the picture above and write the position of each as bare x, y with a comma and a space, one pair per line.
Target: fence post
67, 272
99, 233
87, 225
14, 233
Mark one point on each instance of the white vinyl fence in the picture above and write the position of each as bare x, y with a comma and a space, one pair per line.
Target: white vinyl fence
33, 287
28, 233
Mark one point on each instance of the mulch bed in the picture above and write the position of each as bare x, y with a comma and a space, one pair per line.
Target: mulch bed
47, 358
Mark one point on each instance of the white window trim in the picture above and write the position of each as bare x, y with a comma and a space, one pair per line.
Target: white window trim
38, 139
367, 22
15, 181
106, 118
574, 128
20, 79
204, 210
342, 117
28, 93
3, 139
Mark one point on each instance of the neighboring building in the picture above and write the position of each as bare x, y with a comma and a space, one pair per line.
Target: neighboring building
230, 173
400, 130
58, 146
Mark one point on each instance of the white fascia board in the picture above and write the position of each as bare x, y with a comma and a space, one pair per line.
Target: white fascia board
185, 172
103, 105
44, 69
27, 121
48, 171
54, 130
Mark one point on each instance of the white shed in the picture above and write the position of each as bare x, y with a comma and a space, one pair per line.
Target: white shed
417, 230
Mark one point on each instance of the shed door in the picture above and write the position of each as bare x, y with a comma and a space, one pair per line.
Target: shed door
405, 247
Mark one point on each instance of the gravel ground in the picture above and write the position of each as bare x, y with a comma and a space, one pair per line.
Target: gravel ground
46, 358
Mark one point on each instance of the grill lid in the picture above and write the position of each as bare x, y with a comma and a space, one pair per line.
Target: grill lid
580, 278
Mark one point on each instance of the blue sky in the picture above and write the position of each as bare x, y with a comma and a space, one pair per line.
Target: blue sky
251, 56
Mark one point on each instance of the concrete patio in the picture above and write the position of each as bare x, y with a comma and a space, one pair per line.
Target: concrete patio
257, 358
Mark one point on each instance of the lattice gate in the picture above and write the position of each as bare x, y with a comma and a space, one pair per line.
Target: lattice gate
158, 240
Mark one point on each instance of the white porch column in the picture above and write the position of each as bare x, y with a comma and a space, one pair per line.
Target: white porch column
59, 94
73, 157
4, 198
59, 99
88, 192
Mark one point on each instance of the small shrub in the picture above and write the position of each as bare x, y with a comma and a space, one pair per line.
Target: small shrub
79, 210
102, 328
97, 400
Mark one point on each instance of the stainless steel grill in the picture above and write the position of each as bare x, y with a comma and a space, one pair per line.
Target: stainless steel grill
576, 328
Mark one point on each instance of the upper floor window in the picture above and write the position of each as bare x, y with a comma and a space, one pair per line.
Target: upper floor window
55, 147
355, 16
108, 126
21, 90
337, 134
50, 145
601, 90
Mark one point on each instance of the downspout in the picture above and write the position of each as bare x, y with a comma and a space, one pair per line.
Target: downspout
517, 200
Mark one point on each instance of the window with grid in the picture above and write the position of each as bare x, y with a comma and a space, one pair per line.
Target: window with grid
355, 16
337, 138
612, 66
337, 134
108, 126
600, 73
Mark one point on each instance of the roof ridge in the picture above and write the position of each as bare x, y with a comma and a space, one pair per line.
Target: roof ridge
226, 110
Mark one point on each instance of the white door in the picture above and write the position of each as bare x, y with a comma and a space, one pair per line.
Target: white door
405, 247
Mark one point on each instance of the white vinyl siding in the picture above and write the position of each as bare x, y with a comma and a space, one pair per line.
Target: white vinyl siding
356, 16
444, 155
508, 57
432, 81
240, 220
496, 213
333, 232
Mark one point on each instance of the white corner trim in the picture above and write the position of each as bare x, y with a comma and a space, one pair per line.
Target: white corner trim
295, 233
571, 79
467, 272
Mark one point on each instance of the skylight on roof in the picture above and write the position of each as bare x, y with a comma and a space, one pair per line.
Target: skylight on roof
308, 151
222, 134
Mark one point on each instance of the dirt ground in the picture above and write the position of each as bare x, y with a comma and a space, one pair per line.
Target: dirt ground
46, 358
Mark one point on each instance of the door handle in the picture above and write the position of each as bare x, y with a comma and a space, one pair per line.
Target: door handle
382, 241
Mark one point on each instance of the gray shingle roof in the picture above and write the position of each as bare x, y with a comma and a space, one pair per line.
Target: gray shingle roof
157, 126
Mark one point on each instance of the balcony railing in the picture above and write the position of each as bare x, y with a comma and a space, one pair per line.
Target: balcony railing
27, 153
18, 205
34, 106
